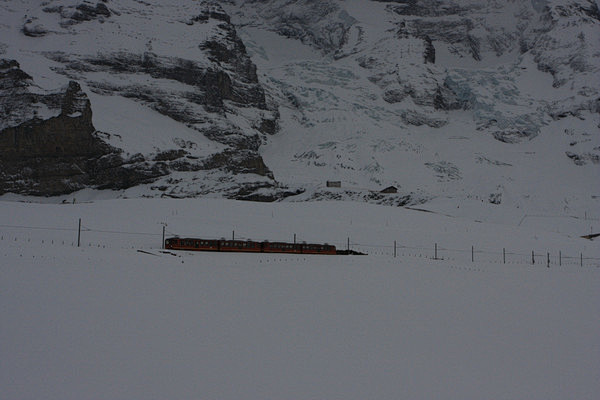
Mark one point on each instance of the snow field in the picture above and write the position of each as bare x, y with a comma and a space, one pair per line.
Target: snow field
105, 321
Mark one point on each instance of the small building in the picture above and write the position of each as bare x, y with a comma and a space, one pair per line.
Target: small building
336, 184
390, 189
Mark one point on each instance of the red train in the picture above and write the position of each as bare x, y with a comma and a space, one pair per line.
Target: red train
247, 246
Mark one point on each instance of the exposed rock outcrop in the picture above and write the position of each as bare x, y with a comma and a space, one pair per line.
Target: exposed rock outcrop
49, 144
58, 152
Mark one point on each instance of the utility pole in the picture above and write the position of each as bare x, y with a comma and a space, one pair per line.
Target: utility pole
79, 234
164, 224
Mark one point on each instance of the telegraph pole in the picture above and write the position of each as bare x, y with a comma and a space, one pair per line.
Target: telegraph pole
164, 224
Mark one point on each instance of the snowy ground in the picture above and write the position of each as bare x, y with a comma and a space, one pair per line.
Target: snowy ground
105, 321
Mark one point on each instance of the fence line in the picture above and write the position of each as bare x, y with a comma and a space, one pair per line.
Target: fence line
433, 251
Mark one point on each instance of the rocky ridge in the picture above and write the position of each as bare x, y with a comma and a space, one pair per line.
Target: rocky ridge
49, 145
268, 99
201, 92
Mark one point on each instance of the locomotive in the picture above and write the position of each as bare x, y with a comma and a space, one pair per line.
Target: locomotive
247, 246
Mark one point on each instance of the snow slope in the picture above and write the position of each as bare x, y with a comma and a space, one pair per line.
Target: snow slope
105, 321
365, 114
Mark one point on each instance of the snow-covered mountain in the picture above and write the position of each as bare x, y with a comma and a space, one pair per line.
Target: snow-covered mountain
473, 101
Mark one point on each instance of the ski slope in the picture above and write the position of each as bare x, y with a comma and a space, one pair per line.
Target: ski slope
106, 321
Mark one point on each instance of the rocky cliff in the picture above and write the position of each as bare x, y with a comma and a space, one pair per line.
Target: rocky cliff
212, 89
264, 99
50, 146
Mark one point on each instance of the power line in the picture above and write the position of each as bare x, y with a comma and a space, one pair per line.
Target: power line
37, 227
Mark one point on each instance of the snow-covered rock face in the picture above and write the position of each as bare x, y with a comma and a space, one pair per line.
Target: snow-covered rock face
247, 98
183, 61
323, 24
417, 93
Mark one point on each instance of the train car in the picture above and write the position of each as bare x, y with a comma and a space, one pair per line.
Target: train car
281, 247
318, 249
240, 245
193, 244
247, 246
